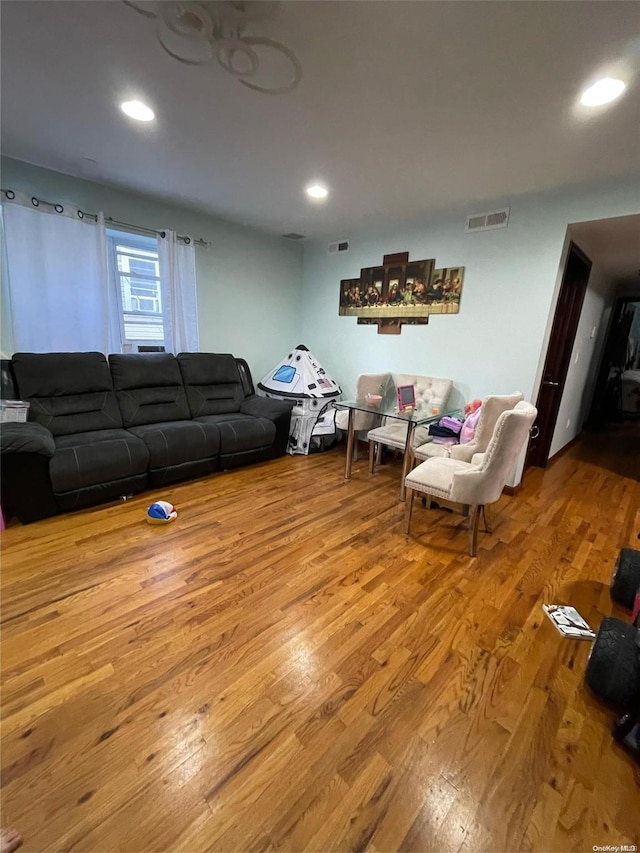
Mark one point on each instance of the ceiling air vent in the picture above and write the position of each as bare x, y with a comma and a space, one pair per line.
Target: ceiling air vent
488, 221
340, 246
294, 236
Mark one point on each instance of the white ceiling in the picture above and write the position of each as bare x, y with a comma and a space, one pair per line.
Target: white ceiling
403, 107
613, 244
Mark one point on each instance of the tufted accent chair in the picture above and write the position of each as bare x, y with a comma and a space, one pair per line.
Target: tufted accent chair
480, 481
492, 408
368, 383
430, 393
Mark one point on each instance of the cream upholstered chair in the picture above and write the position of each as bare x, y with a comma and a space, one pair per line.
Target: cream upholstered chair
368, 383
480, 481
432, 393
492, 408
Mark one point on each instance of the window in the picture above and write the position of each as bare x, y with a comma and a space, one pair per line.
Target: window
134, 264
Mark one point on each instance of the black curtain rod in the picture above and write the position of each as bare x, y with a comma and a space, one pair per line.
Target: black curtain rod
82, 214
142, 229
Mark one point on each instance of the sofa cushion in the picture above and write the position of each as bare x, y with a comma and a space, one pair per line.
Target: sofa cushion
149, 388
94, 458
69, 392
213, 383
177, 442
239, 433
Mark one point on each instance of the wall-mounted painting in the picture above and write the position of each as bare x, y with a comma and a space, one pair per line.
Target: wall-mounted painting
445, 290
400, 291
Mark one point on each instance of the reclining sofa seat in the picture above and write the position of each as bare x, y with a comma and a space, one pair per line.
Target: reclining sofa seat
203, 373
154, 407
251, 428
90, 457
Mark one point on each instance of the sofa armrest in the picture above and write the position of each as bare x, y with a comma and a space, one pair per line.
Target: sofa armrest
26, 438
25, 488
266, 407
277, 411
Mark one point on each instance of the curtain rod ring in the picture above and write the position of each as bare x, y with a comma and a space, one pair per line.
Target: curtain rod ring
34, 201
58, 208
163, 234
80, 214
10, 194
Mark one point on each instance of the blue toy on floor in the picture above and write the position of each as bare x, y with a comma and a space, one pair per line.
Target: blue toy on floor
161, 512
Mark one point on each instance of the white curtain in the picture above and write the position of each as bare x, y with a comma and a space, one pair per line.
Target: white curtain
56, 282
6, 329
178, 281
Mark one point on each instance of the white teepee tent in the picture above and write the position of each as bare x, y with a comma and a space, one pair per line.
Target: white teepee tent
300, 377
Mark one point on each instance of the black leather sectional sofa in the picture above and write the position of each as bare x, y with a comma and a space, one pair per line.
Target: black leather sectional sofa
99, 429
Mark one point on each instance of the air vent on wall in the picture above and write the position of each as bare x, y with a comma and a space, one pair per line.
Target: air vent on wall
488, 221
294, 236
340, 246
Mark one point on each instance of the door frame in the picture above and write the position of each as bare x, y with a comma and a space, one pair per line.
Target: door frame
538, 452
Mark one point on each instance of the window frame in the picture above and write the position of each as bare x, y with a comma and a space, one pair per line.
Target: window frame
141, 243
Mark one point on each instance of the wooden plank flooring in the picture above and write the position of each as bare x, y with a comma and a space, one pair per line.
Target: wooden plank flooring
283, 669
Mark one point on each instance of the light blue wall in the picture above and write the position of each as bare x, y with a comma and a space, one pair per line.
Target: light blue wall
248, 282
496, 342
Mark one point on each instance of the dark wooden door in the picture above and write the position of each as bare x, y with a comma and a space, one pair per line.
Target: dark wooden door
556, 365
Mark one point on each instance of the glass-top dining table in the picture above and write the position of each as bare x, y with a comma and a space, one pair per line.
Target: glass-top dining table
387, 407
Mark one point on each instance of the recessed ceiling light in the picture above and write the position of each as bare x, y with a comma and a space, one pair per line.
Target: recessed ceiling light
317, 191
137, 110
604, 90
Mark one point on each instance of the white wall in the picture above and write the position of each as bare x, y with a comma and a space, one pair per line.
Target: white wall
248, 281
497, 342
582, 375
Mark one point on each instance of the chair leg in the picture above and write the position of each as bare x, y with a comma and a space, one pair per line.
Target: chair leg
465, 510
372, 454
410, 496
485, 518
474, 516
379, 453
355, 447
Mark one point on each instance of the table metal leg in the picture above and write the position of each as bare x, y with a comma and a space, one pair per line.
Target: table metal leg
350, 437
406, 459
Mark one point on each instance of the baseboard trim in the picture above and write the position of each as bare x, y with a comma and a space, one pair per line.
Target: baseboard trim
564, 449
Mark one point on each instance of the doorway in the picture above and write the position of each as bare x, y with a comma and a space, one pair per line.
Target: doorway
563, 331
617, 394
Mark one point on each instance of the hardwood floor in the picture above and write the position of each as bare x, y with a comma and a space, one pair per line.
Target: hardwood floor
283, 669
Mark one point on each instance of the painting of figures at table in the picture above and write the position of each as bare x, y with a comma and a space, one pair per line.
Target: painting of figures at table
350, 297
413, 289
370, 287
445, 290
